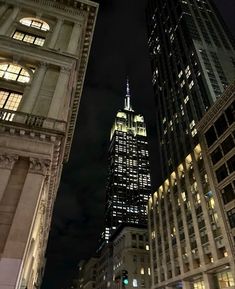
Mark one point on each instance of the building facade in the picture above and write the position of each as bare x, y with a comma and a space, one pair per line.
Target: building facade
104, 277
89, 274
131, 257
129, 185
44, 48
216, 130
193, 60
190, 245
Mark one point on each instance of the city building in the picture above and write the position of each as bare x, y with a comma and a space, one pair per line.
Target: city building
44, 48
104, 277
129, 186
217, 138
191, 215
131, 264
193, 60
88, 274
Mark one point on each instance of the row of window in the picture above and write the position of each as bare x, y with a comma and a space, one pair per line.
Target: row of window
226, 146
31, 37
220, 125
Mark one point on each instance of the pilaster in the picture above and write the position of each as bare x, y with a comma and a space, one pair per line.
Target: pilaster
74, 38
31, 96
59, 94
9, 21
7, 162
55, 33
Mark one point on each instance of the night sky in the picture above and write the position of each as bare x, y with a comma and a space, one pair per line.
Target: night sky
119, 50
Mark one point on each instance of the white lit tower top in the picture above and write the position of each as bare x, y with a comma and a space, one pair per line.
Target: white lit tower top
129, 184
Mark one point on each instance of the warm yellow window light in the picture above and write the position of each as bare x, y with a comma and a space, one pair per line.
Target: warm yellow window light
14, 72
35, 23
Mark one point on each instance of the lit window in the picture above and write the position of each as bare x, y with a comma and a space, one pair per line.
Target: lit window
183, 195
225, 279
149, 271
142, 271
35, 23
147, 247
135, 284
29, 38
9, 100
199, 285
191, 84
14, 72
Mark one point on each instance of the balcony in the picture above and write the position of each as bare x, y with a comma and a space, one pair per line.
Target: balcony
26, 120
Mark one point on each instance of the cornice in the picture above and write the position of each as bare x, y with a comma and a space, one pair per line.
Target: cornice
217, 108
73, 8
85, 51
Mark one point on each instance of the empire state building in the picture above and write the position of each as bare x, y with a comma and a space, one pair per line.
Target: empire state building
129, 184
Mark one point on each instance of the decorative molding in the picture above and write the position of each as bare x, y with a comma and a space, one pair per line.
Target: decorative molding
217, 108
39, 166
7, 161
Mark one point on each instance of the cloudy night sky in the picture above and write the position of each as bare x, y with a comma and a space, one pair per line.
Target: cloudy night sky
119, 50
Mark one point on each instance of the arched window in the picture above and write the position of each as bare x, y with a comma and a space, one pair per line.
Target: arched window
14, 72
35, 23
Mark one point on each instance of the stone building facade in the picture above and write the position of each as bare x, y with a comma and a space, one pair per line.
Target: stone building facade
191, 220
44, 48
131, 255
217, 138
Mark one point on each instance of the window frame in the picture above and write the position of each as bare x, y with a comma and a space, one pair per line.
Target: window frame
25, 34
23, 21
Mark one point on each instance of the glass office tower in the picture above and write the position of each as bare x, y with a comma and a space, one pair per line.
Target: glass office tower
193, 60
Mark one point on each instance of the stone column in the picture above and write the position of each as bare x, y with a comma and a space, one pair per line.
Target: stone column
59, 94
31, 96
55, 33
6, 164
186, 285
3, 9
8, 22
209, 281
74, 38
12, 259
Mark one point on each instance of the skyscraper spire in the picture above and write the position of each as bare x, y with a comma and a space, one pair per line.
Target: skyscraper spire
127, 97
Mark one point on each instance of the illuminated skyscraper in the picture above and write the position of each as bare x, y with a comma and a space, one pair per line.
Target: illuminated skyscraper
193, 60
129, 183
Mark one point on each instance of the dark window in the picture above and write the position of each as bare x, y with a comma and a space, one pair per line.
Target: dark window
230, 113
221, 173
141, 237
227, 144
231, 217
133, 236
216, 155
210, 136
231, 164
221, 125
228, 194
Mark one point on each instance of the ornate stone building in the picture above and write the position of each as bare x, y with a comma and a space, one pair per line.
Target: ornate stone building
192, 214
44, 48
